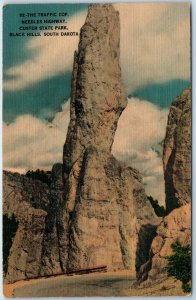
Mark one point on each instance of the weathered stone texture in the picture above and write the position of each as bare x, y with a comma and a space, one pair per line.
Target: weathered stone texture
175, 227
104, 225
105, 201
177, 152
27, 199
97, 96
52, 239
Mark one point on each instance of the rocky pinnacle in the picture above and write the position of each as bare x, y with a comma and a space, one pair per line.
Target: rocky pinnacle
177, 152
105, 202
97, 96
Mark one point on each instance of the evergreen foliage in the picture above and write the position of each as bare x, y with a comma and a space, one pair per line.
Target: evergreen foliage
43, 176
179, 265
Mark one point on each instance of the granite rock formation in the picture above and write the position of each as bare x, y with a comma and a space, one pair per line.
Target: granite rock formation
52, 238
176, 226
177, 152
37, 208
27, 200
105, 202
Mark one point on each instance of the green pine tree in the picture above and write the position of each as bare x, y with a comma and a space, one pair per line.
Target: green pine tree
179, 265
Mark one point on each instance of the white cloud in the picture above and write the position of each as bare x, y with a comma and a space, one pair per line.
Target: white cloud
30, 143
52, 55
141, 128
155, 42
155, 47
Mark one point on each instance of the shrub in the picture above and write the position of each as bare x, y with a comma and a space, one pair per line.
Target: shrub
179, 265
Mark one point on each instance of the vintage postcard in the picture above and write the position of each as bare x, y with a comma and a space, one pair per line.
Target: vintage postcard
96, 149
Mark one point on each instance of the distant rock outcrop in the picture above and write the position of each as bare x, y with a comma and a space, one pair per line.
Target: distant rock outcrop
177, 152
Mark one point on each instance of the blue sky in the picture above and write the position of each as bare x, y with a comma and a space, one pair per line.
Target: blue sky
43, 98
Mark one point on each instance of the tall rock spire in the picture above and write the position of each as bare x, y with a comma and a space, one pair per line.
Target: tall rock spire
105, 202
97, 97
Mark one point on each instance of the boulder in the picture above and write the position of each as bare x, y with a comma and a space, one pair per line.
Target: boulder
174, 227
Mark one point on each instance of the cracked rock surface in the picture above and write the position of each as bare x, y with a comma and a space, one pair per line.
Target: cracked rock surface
27, 200
105, 201
174, 227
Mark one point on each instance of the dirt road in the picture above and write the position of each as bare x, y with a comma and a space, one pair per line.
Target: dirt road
102, 285
99, 284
